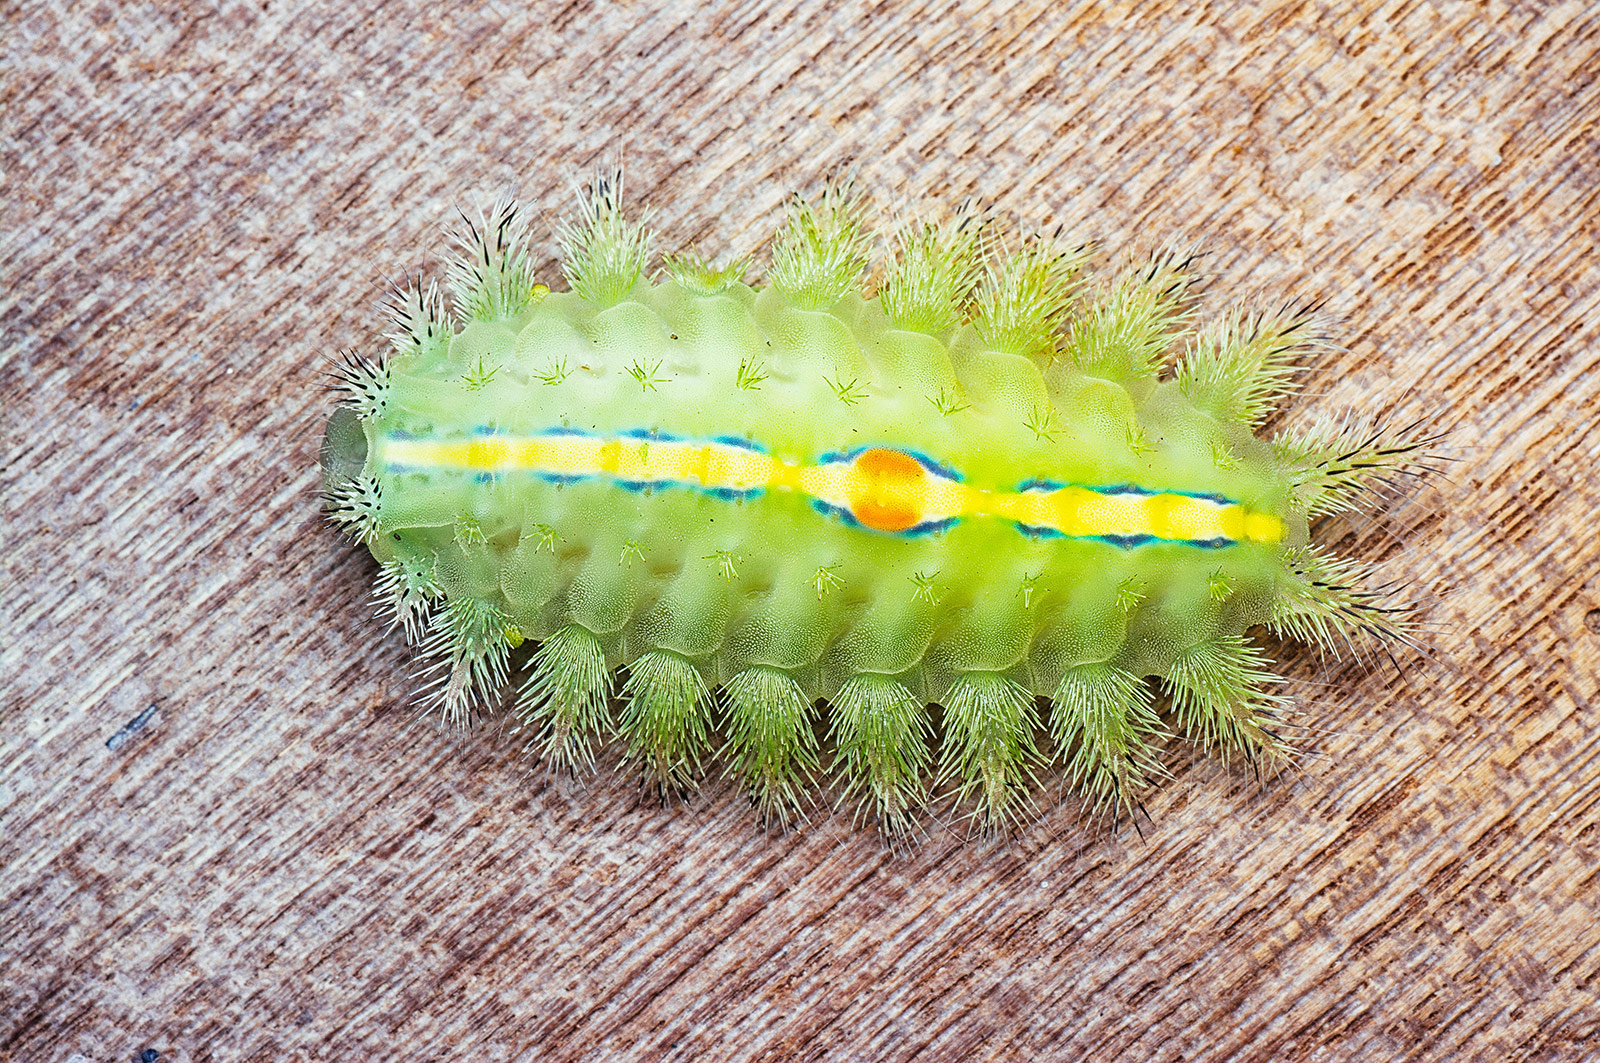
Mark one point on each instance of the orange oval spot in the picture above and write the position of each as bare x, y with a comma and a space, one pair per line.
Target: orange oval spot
886, 490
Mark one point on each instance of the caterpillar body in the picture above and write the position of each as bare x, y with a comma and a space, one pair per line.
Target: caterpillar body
749, 511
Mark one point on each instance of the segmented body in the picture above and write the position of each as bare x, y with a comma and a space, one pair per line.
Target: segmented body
797, 493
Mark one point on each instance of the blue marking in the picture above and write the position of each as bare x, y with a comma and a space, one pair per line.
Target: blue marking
562, 478
560, 430
1039, 531
927, 527
649, 434
1115, 490
727, 494
842, 457
937, 468
829, 510
1150, 492
1123, 542
1126, 542
736, 441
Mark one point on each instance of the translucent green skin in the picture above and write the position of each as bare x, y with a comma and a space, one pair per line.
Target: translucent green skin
643, 570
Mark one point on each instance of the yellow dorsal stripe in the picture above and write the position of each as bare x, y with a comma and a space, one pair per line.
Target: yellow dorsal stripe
1075, 511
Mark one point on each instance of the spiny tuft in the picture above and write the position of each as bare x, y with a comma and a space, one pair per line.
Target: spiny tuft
470, 654
1126, 332
989, 751
416, 319
694, 271
1220, 699
928, 285
665, 723
564, 700
1025, 299
361, 384
881, 733
604, 253
406, 592
489, 274
1104, 714
1342, 464
771, 745
822, 250
1240, 368
355, 505
1335, 603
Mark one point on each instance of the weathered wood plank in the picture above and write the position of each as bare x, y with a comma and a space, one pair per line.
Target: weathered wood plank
201, 203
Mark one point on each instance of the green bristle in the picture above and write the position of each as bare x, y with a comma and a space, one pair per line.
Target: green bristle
1022, 302
564, 700
1328, 601
355, 506
695, 272
822, 250
881, 732
927, 286
1338, 465
489, 275
1104, 715
989, 749
361, 384
770, 740
407, 590
467, 640
1219, 699
1240, 368
665, 720
1126, 333
605, 254
416, 316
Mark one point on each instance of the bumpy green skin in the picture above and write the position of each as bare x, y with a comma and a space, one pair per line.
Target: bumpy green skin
640, 570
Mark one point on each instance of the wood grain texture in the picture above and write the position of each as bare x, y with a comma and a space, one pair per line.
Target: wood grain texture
201, 203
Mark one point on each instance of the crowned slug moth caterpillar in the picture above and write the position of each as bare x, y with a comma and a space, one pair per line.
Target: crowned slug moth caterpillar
971, 497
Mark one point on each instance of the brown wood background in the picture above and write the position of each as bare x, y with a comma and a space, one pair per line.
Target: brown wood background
201, 203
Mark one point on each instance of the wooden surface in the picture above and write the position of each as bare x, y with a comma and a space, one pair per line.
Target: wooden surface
201, 204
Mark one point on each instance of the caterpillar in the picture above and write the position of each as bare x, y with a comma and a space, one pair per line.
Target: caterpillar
994, 494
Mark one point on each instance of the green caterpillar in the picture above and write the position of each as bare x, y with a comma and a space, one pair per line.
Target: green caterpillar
972, 488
